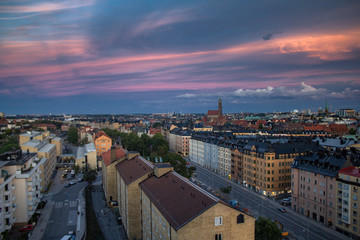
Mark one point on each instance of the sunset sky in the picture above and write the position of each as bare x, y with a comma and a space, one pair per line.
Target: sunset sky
99, 56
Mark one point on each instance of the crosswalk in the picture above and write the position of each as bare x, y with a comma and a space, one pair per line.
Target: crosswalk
65, 203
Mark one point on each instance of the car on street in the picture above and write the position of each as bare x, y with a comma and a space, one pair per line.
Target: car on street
26, 228
72, 182
67, 185
80, 180
282, 210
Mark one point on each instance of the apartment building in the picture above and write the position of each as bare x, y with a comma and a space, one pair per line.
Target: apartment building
30, 135
58, 142
267, 166
7, 198
130, 172
314, 186
196, 150
236, 165
26, 184
179, 141
86, 156
174, 208
211, 152
224, 159
348, 197
44, 150
102, 142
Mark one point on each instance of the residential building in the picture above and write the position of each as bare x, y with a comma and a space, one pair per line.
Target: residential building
236, 166
86, 156
224, 159
345, 112
348, 197
30, 135
44, 150
196, 150
174, 208
26, 184
179, 141
58, 142
314, 185
109, 173
130, 172
267, 165
7, 198
102, 142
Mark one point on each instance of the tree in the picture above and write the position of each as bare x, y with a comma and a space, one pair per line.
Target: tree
90, 175
352, 131
265, 229
73, 135
85, 140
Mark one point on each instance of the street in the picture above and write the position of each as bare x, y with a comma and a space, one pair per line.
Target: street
63, 217
297, 225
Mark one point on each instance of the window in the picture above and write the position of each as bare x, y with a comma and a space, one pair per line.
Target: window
240, 219
218, 221
218, 236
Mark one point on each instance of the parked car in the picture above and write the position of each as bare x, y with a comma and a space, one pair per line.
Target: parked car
67, 185
26, 228
282, 210
72, 182
69, 236
114, 203
80, 179
119, 220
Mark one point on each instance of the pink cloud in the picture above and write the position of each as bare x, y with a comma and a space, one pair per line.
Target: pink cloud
46, 7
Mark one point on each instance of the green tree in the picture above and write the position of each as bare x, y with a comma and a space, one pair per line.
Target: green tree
112, 133
352, 131
157, 141
8, 132
179, 164
73, 135
11, 144
265, 229
85, 140
146, 140
90, 175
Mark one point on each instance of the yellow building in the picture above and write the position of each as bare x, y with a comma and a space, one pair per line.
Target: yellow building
267, 166
130, 172
30, 135
175, 208
86, 155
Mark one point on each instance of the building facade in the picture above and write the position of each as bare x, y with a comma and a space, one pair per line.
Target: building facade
102, 142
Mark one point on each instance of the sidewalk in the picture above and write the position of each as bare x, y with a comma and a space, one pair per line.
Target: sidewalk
81, 219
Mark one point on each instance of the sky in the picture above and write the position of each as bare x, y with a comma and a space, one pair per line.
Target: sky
131, 56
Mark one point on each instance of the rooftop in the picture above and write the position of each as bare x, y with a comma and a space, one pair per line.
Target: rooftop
133, 169
178, 199
119, 153
352, 171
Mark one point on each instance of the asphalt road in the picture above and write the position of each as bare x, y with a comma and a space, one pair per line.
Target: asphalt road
64, 214
297, 225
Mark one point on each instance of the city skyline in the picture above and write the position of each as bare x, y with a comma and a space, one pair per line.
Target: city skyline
180, 56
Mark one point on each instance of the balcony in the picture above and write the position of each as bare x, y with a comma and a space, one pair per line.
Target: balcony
8, 214
30, 183
31, 193
8, 226
7, 204
13, 198
13, 187
7, 192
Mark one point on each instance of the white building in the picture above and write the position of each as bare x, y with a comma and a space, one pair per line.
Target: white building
7, 198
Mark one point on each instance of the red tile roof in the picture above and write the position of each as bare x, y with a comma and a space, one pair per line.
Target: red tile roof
213, 112
352, 171
3, 121
119, 153
133, 169
178, 199
101, 133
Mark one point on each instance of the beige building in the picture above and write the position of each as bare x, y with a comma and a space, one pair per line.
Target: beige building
44, 150
58, 142
30, 135
267, 166
179, 142
86, 155
348, 200
102, 142
130, 172
7, 198
314, 186
175, 208
26, 184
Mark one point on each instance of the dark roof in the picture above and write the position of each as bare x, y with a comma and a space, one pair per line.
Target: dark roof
133, 169
327, 165
213, 112
178, 199
21, 160
101, 133
119, 153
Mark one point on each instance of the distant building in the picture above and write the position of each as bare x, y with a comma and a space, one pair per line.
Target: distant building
179, 141
345, 112
215, 115
86, 156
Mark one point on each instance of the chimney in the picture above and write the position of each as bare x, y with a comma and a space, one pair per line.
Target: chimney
162, 168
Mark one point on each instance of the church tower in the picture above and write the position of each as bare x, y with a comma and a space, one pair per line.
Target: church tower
220, 107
